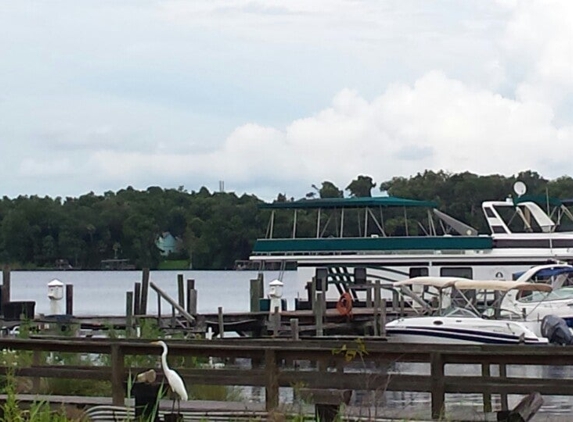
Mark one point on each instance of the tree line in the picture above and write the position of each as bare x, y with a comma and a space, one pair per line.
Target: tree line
214, 229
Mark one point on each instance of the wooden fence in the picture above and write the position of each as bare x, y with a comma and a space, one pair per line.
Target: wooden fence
346, 364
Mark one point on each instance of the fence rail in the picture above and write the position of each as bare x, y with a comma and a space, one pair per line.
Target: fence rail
340, 364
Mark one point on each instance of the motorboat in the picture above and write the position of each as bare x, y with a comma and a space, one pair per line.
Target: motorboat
458, 320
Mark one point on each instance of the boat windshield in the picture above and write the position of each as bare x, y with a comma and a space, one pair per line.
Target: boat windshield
558, 294
460, 313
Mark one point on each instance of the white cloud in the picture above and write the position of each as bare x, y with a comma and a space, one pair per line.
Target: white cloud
436, 123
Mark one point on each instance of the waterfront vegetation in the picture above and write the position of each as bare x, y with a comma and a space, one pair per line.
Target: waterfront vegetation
213, 230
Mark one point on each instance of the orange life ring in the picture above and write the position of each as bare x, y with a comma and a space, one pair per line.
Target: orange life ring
344, 304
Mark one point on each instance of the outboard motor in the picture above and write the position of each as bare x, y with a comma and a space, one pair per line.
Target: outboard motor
555, 329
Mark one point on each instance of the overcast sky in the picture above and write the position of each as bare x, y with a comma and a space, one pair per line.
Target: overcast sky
274, 96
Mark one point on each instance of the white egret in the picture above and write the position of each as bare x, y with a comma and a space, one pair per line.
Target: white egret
173, 378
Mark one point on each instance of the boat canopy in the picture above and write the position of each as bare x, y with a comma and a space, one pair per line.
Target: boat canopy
437, 282
362, 202
467, 284
501, 285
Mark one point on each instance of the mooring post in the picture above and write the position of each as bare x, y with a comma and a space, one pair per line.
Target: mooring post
276, 316
377, 306
191, 297
485, 372
272, 381
256, 290
383, 311
294, 329
221, 322
144, 290
137, 299
69, 299
319, 313
5, 285
117, 375
158, 310
438, 385
181, 290
128, 313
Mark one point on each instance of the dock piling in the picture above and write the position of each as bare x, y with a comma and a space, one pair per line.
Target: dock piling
137, 299
5, 285
180, 290
128, 314
191, 297
257, 292
69, 299
144, 290
221, 322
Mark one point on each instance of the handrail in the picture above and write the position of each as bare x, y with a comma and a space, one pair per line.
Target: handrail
267, 370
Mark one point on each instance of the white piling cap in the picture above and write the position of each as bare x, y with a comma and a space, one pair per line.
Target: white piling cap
276, 283
55, 283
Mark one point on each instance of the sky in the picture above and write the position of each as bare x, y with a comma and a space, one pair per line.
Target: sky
274, 96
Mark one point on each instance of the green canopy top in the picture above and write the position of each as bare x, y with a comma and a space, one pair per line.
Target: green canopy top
379, 201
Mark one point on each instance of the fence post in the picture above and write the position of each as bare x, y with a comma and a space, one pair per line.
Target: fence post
485, 372
272, 381
117, 375
438, 385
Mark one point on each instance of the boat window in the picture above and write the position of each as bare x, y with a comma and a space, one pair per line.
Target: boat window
419, 272
465, 272
559, 294
460, 313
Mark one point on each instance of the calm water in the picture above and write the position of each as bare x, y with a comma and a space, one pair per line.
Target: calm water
103, 292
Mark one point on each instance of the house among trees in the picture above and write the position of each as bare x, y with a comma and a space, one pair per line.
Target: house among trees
168, 244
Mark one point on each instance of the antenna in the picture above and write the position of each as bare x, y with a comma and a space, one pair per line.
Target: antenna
519, 188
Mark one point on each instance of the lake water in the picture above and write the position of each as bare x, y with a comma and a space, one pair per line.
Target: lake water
103, 292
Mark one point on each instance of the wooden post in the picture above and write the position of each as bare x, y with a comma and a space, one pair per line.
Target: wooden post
256, 290
180, 290
117, 375
6, 284
438, 385
191, 297
137, 299
294, 329
144, 290
173, 318
128, 313
485, 372
319, 313
272, 381
312, 296
221, 321
158, 310
36, 361
503, 396
383, 311
377, 306
276, 316
69, 299
182, 311
368, 294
